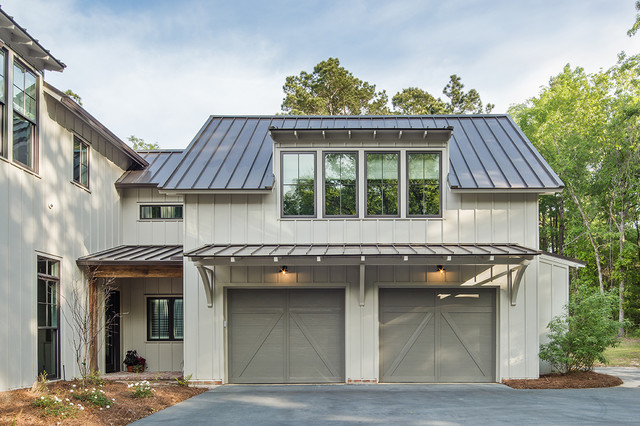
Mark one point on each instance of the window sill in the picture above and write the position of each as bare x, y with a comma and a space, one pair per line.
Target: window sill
21, 167
84, 188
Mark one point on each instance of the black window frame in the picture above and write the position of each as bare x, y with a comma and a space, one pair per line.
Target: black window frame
34, 158
315, 184
48, 278
4, 141
142, 206
324, 185
440, 195
366, 185
171, 301
84, 144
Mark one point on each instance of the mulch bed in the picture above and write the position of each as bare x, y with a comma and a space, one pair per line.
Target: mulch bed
574, 380
16, 408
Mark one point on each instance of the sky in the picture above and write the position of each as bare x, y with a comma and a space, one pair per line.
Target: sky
157, 69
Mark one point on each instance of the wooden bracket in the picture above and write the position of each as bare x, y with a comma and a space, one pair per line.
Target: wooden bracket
514, 282
208, 281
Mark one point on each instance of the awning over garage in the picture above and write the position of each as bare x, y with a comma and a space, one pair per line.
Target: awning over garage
135, 261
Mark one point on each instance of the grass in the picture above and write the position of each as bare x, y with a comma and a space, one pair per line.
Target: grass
627, 354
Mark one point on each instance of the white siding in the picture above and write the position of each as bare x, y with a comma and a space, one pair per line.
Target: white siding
79, 222
148, 232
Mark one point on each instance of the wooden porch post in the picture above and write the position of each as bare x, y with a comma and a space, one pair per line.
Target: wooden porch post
93, 322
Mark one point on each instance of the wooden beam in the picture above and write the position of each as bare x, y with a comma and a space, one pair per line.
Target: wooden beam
93, 323
137, 271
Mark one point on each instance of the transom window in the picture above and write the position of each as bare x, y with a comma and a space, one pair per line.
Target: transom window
423, 184
161, 212
80, 162
382, 184
48, 317
340, 184
165, 318
298, 184
24, 114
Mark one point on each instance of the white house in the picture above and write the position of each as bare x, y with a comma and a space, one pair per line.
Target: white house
273, 249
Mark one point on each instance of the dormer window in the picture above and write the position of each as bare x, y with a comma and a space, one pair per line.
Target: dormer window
423, 184
382, 183
340, 184
24, 114
298, 184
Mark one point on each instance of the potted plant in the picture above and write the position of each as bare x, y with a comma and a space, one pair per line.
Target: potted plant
134, 362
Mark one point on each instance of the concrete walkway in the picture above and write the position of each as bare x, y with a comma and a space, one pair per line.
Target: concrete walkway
440, 404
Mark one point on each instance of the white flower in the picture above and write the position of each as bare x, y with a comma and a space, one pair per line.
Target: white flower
108, 406
66, 399
81, 407
42, 397
71, 391
101, 409
113, 399
74, 386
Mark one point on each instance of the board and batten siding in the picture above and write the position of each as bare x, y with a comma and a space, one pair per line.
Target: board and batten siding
46, 214
160, 356
255, 219
148, 232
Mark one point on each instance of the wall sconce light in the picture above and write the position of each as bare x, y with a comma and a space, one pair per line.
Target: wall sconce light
284, 270
441, 269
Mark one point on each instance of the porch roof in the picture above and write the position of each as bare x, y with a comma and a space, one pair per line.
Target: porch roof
431, 253
135, 255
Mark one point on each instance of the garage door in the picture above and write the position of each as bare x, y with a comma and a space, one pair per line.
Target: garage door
286, 336
445, 335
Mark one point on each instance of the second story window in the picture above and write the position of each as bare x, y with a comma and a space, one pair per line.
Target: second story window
340, 184
160, 212
298, 184
423, 185
80, 162
382, 184
24, 115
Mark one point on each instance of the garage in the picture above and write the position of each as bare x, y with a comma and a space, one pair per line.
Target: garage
437, 335
285, 336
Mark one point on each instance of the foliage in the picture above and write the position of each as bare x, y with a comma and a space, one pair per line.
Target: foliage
94, 396
184, 381
40, 385
578, 338
141, 389
54, 406
331, 90
299, 199
133, 359
140, 145
95, 378
416, 101
636, 25
74, 96
461, 102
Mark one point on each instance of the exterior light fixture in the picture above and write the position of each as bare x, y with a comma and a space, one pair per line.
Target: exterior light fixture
284, 270
441, 269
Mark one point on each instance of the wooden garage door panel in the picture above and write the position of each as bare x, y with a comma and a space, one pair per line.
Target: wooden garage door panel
429, 335
295, 336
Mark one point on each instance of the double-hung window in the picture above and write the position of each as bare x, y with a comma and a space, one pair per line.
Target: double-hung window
423, 184
382, 183
298, 184
48, 317
24, 115
80, 162
165, 318
340, 184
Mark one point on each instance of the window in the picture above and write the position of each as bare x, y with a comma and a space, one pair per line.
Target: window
3, 68
24, 115
160, 212
423, 184
340, 184
382, 184
298, 184
80, 162
165, 318
48, 316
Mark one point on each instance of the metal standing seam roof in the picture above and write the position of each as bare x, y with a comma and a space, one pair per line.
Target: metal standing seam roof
135, 255
487, 151
161, 164
341, 250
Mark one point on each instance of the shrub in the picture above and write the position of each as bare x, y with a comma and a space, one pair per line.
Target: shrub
93, 396
141, 389
578, 339
184, 380
95, 378
54, 406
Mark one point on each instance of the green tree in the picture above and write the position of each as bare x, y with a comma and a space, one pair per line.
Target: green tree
461, 102
74, 96
140, 145
331, 90
636, 25
415, 101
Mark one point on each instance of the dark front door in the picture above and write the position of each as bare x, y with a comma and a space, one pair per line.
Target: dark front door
112, 331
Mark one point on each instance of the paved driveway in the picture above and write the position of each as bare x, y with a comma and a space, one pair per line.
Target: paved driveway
442, 404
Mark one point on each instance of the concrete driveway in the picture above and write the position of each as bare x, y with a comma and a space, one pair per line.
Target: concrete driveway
441, 404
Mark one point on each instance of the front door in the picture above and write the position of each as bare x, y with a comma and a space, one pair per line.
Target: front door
112, 331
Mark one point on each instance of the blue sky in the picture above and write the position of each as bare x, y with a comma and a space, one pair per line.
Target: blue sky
158, 69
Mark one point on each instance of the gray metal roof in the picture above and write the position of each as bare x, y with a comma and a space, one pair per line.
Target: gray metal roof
342, 250
135, 255
486, 151
161, 164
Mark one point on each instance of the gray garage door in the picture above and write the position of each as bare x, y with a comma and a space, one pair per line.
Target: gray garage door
286, 336
445, 335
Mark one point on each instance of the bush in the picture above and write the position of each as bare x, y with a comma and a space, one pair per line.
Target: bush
578, 339
52, 405
141, 389
93, 396
184, 381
